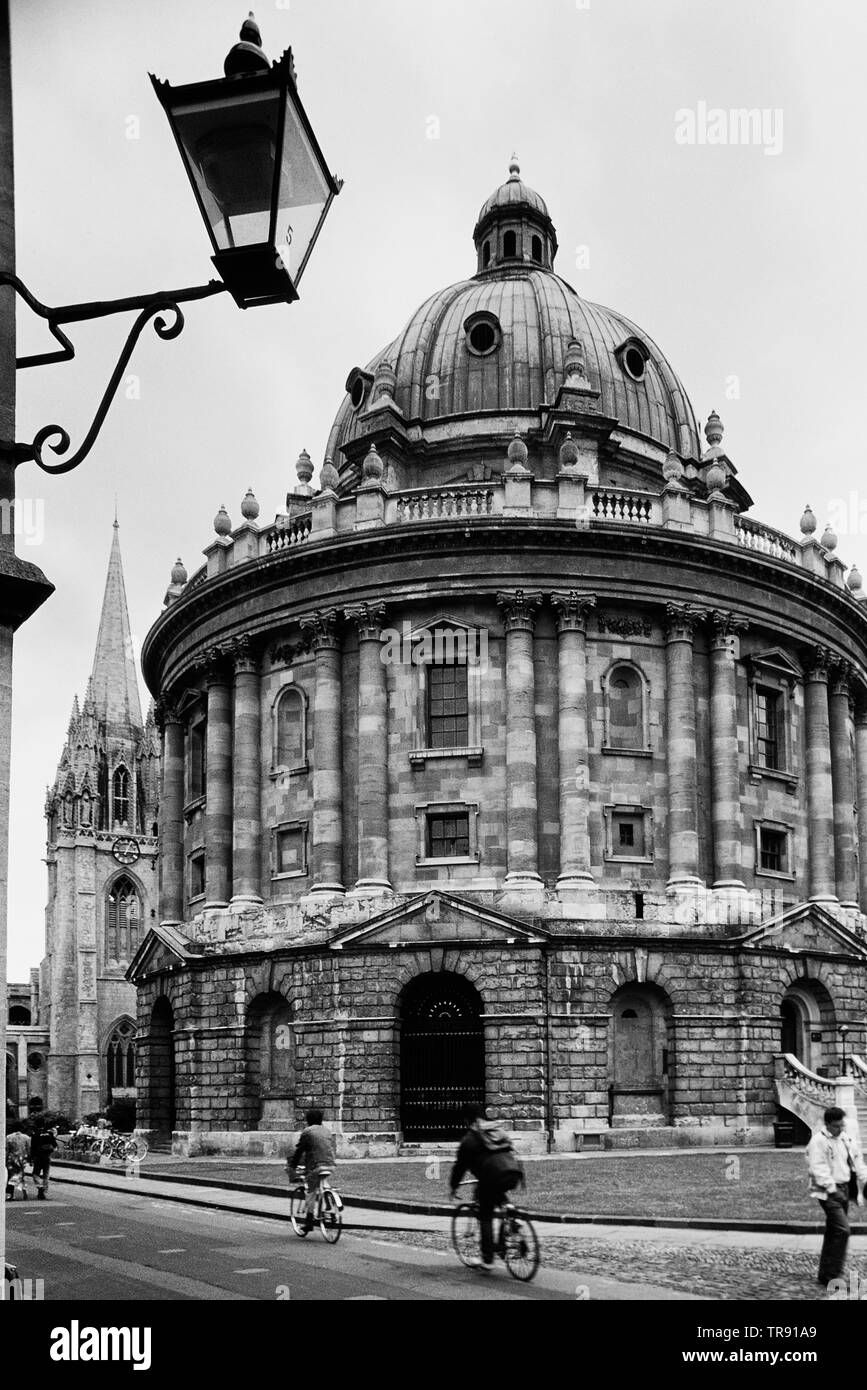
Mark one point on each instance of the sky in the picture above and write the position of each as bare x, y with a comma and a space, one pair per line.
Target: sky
742, 260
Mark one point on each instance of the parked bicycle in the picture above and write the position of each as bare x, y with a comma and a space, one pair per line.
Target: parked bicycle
515, 1241
327, 1210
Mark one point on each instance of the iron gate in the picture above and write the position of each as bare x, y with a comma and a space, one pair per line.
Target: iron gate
442, 1056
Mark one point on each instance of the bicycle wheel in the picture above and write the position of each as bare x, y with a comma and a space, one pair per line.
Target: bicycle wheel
134, 1150
465, 1233
521, 1247
298, 1210
330, 1217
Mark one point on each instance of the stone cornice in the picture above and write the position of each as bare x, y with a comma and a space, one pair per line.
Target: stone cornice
769, 592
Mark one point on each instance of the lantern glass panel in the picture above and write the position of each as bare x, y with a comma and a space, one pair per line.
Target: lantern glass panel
230, 147
302, 194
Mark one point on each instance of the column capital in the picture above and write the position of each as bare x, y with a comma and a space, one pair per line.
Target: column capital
322, 629
571, 609
724, 626
842, 674
817, 663
519, 610
369, 620
213, 664
244, 654
681, 620
166, 711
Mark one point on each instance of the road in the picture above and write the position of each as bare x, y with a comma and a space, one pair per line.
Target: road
88, 1244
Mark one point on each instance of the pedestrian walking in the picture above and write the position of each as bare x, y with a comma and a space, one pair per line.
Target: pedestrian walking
42, 1145
17, 1154
837, 1177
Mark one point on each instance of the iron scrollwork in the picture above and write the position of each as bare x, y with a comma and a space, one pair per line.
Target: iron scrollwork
150, 306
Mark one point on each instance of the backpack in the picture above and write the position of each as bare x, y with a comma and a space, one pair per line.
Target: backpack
503, 1167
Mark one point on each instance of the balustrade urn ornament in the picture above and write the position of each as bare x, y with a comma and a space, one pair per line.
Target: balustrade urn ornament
304, 468
854, 582
384, 383
249, 506
808, 521
223, 523
715, 478
714, 430
574, 365
372, 469
517, 455
569, 455
179, 572
328, 476
672, 469
829, 538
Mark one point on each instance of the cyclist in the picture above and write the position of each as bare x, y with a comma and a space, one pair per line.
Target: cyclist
315, 1152
487, 1153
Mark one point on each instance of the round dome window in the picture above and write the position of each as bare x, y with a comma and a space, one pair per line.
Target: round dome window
358, 392
483, 334
632, 356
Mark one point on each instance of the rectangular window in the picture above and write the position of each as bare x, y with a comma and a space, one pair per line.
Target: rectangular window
448, 836
628, 835
447, 706
197, 874
290, 851
773, 850
198, 759
769, 743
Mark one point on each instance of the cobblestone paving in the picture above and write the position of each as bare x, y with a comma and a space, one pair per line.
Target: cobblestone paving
733, 1272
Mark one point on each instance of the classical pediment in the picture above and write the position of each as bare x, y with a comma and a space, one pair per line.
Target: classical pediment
776, 660
806, 927
439, 918
162, 949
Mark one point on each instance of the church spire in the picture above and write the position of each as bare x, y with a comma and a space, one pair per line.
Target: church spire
113, 682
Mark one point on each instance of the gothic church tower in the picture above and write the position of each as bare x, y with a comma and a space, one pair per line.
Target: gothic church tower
102, 884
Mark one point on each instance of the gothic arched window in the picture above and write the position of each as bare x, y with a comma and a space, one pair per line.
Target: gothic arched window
290, 730
120, 795
120, 1057
123, 919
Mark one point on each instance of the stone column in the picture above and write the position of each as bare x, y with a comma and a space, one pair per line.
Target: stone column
572, 609
171, 814
218, 801
324, 632
681, 620
861, 774
726, 814
519, 619
843, 781
820, 791
246, 778
372, 751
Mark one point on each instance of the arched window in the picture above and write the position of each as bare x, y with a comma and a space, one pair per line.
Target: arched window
120, 795
290, 731
625, 713
140, 808
120, 1057
510, 244
536, 245
123, 920
19, 1016
102, 793
486, 255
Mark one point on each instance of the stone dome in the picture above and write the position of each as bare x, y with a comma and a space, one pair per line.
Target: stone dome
527, 316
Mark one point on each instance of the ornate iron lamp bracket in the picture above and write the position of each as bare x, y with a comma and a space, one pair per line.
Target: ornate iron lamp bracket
150, 306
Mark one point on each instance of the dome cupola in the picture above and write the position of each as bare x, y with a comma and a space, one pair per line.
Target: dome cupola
514, 228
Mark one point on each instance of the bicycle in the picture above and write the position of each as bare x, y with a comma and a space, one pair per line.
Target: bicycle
327, 1211
516, 1242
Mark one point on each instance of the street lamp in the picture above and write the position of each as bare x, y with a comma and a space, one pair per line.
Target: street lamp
843, 1031
264, 190
257, 171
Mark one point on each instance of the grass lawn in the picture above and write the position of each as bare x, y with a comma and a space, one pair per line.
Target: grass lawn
739, 1185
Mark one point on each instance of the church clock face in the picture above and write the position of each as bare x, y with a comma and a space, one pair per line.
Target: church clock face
125, 850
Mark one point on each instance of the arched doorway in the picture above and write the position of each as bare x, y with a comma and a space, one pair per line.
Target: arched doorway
162, 1070
808, 1025
270, 1054
442, 1055
641, 1060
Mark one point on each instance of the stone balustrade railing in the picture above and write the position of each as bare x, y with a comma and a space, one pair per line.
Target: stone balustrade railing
822, 1089
516, 495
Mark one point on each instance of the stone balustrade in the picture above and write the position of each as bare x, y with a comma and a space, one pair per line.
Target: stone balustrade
569, 499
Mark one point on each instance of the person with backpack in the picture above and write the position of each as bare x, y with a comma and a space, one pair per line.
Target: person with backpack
314, 1152
486, 1152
